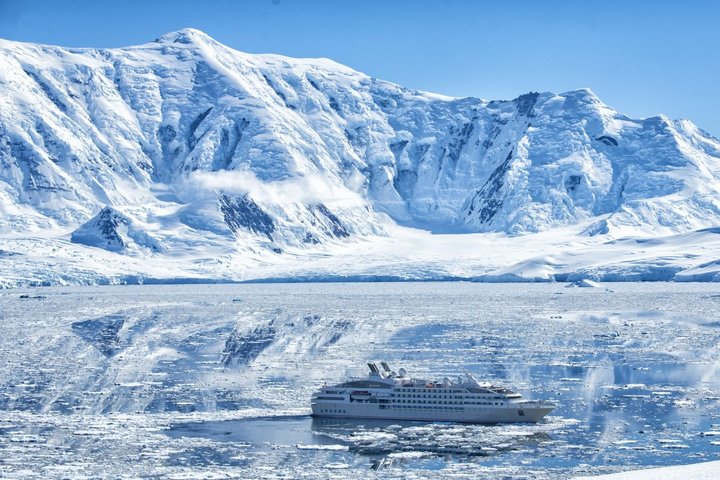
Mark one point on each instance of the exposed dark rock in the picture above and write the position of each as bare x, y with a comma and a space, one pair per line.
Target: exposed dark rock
47, 91
597, 228
526, 103
335, 105
29, 161
242, 213
102, 230
228, 145
279, 93
489, 199
337, 229
572, 181
607, 140
397, 148
166, 133
55, 149
453, 149
313, 83
310, 238
192, 141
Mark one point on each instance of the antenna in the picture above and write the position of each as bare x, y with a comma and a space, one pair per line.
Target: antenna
471, 378
385, 366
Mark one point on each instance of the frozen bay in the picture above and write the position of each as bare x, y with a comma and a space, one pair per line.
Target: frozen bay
215, 380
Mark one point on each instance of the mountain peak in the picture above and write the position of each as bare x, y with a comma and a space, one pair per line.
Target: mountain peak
585, 94
185, 36
185, 148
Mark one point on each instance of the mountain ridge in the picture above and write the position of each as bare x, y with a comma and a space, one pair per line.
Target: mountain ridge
205, 150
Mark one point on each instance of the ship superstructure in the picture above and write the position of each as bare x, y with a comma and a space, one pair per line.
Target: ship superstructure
386, 394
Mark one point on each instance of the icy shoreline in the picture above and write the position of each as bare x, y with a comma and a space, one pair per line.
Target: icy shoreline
693, 471
103, 281
405, 255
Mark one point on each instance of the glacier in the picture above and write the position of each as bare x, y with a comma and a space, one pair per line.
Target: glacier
185, 160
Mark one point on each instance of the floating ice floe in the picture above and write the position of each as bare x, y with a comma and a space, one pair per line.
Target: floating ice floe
584, 283
322, 447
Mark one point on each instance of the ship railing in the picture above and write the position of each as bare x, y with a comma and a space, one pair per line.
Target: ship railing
539, 403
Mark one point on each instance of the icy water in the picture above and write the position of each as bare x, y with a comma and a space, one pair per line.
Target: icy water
214, 381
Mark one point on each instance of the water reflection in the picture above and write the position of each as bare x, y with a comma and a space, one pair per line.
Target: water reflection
386, 437
610, 411
382, 442
636, 375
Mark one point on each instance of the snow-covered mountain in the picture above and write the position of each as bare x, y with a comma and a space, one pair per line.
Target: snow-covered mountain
183, 158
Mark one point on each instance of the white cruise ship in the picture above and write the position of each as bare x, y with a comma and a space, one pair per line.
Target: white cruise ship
389, 395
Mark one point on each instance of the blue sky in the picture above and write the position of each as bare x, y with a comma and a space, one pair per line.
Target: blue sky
640, 57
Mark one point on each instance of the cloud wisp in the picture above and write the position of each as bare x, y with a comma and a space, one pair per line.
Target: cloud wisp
306, 189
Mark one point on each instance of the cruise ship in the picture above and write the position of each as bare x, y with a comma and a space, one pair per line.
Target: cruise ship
385, 394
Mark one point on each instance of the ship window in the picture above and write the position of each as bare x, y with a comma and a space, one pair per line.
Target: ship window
521, 413
364, 384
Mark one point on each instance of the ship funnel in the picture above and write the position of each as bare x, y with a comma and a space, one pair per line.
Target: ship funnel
385, 366
373, 367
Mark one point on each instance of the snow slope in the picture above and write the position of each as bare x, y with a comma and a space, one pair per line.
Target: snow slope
695, 471
183, 158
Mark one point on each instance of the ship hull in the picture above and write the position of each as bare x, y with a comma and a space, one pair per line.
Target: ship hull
487, 415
